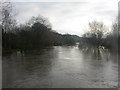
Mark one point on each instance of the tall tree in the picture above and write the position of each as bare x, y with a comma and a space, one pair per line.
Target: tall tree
7, 22
97, 28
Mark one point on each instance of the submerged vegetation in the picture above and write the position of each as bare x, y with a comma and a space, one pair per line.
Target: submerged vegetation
35, 36
37, 33
98, 37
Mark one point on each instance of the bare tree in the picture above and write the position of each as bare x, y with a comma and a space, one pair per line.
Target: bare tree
6, 17
115, 27
97, 28
7, 21
114, 35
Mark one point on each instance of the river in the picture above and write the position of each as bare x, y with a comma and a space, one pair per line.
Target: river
60, 67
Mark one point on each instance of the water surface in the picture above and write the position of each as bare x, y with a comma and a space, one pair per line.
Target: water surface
60, 67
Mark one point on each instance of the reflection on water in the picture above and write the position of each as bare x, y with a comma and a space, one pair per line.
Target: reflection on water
60, 67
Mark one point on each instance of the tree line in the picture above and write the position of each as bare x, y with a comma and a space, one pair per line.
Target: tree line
34, 36
37, 33
98, 36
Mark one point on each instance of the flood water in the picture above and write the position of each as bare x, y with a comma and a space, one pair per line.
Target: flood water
60, 67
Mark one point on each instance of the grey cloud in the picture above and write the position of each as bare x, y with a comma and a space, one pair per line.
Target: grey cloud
62, 14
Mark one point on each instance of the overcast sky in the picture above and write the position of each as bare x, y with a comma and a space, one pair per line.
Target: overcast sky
68, 17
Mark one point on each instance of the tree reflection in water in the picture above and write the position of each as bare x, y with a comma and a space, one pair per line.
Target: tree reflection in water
95, 53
